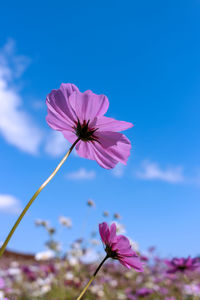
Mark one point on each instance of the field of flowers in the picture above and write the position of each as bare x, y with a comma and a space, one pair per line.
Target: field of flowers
52, 275
64, 279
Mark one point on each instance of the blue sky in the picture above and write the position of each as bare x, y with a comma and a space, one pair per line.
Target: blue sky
144, 55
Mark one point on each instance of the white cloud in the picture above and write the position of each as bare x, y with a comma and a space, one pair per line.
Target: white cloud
38, 105
81, 174
16, 126
118, 171
9, 204
12, 65
152, 171
56, 144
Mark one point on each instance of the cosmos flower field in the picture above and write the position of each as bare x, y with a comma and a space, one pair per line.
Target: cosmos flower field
64, 279
55, 275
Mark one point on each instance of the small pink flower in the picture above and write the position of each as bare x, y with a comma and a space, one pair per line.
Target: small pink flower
118, 247
182, 264
81, 115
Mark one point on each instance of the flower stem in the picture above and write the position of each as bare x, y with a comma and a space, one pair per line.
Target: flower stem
92, 278
34, 197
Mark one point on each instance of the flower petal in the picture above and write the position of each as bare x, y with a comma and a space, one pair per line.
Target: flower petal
127, 252
121, 243
85, 150
68, 88
104, 232
88, 105
113, 230
108, 124
57, 122
102, 157
132, 262
70, 136
60, 114
115, 144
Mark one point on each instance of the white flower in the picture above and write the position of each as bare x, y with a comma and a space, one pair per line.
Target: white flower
14, 264
2, 295
113, 283
73, 261
100, 293
97, 290
69, 276
65, 221
45, 255
42, 291
14, 271
121, 296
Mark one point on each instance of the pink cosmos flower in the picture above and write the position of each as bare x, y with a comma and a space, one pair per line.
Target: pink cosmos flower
81, 115
144, 292
118, 247
182, 264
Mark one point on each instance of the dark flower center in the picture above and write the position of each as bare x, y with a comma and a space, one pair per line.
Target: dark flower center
84, 132
111, 253
182, 268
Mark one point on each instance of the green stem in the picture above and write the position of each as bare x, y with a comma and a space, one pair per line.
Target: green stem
3, 248
92, 278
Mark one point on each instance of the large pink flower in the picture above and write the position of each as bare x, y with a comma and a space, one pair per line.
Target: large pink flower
118, 247
81, 115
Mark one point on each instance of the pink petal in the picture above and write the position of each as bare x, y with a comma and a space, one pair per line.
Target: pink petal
68, 89
85, 150
108, 124
114, 144
60, 114
88, 105
104, 232
102, 157
127, 252
168, 262
57, 122
121, 243
132, 262
70, 136
113, 230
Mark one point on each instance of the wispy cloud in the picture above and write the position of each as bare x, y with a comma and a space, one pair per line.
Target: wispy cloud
38, 105
9, 204
152, 171
118, 171
16, 125
56, 145
194, 178
12, 65
81, 174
